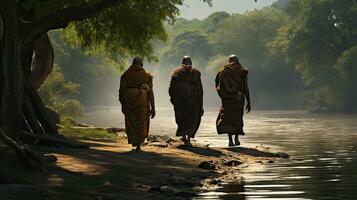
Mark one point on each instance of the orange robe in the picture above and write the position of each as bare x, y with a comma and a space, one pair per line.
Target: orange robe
135, 86
230, 85
187, 97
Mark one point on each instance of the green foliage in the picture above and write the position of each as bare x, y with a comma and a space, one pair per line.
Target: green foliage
294, 42
248, 34
346, 66
188, 43
318, 34
60, 95
84, 133
124, 29
98, 79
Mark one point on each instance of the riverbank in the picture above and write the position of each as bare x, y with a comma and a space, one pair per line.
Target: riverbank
164, 170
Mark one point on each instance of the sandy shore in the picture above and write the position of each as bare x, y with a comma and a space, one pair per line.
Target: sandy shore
163, 170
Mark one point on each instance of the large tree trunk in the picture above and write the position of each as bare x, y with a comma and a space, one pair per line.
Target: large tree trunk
40, 119
12, 85
22, 112
46, 117
42, 63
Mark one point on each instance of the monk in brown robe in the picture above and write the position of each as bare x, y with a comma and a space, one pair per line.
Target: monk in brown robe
187, 98
232, 87
137, 99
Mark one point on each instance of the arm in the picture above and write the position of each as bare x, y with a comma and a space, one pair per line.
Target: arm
152, 103
247, 93
152, 99
218, 85
121, 92
172, 89
200, 90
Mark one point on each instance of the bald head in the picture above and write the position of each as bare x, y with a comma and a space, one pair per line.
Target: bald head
233, 59
138, 61
186, 60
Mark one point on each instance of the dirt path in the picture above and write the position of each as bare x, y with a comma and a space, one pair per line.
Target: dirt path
164, 170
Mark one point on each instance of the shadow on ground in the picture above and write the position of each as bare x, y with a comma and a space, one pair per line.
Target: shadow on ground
203, 151
86, 174
257, 152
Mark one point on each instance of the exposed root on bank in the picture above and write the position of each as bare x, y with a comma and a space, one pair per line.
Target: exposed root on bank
60, 140
32, 158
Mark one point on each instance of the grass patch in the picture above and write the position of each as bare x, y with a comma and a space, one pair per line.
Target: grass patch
79, 133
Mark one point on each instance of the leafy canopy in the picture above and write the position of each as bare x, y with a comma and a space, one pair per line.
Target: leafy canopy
125, 28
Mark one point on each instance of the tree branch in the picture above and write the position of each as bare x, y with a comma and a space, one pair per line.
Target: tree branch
61, 18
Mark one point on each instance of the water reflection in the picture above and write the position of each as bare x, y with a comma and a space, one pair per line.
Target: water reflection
323, 149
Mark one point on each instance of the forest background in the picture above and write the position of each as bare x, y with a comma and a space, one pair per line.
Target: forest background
299, 54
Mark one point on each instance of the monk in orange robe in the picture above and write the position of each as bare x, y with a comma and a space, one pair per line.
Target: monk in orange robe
136, 96
186, 95
232, 87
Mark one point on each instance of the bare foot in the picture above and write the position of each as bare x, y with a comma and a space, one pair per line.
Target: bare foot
236, 141
183, 139
188, 143
231, 144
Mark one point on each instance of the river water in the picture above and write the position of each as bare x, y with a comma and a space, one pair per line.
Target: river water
323, 149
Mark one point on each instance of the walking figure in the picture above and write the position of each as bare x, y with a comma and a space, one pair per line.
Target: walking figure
187, 98
232, 87
136, 96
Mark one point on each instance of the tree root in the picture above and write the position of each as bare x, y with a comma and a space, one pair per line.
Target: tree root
32, 158
57, 140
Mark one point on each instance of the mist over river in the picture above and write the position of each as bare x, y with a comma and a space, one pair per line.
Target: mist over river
323, 149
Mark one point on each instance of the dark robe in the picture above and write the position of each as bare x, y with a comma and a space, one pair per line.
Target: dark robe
230, 85
187, 97
135, 86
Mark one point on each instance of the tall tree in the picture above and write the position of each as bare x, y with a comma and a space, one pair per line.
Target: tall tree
115, 28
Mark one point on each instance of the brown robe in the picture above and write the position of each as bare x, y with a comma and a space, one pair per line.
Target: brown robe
135, 86
187, 97
230, 85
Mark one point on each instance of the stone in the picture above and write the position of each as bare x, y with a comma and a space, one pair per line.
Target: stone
207, 165
233, 163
